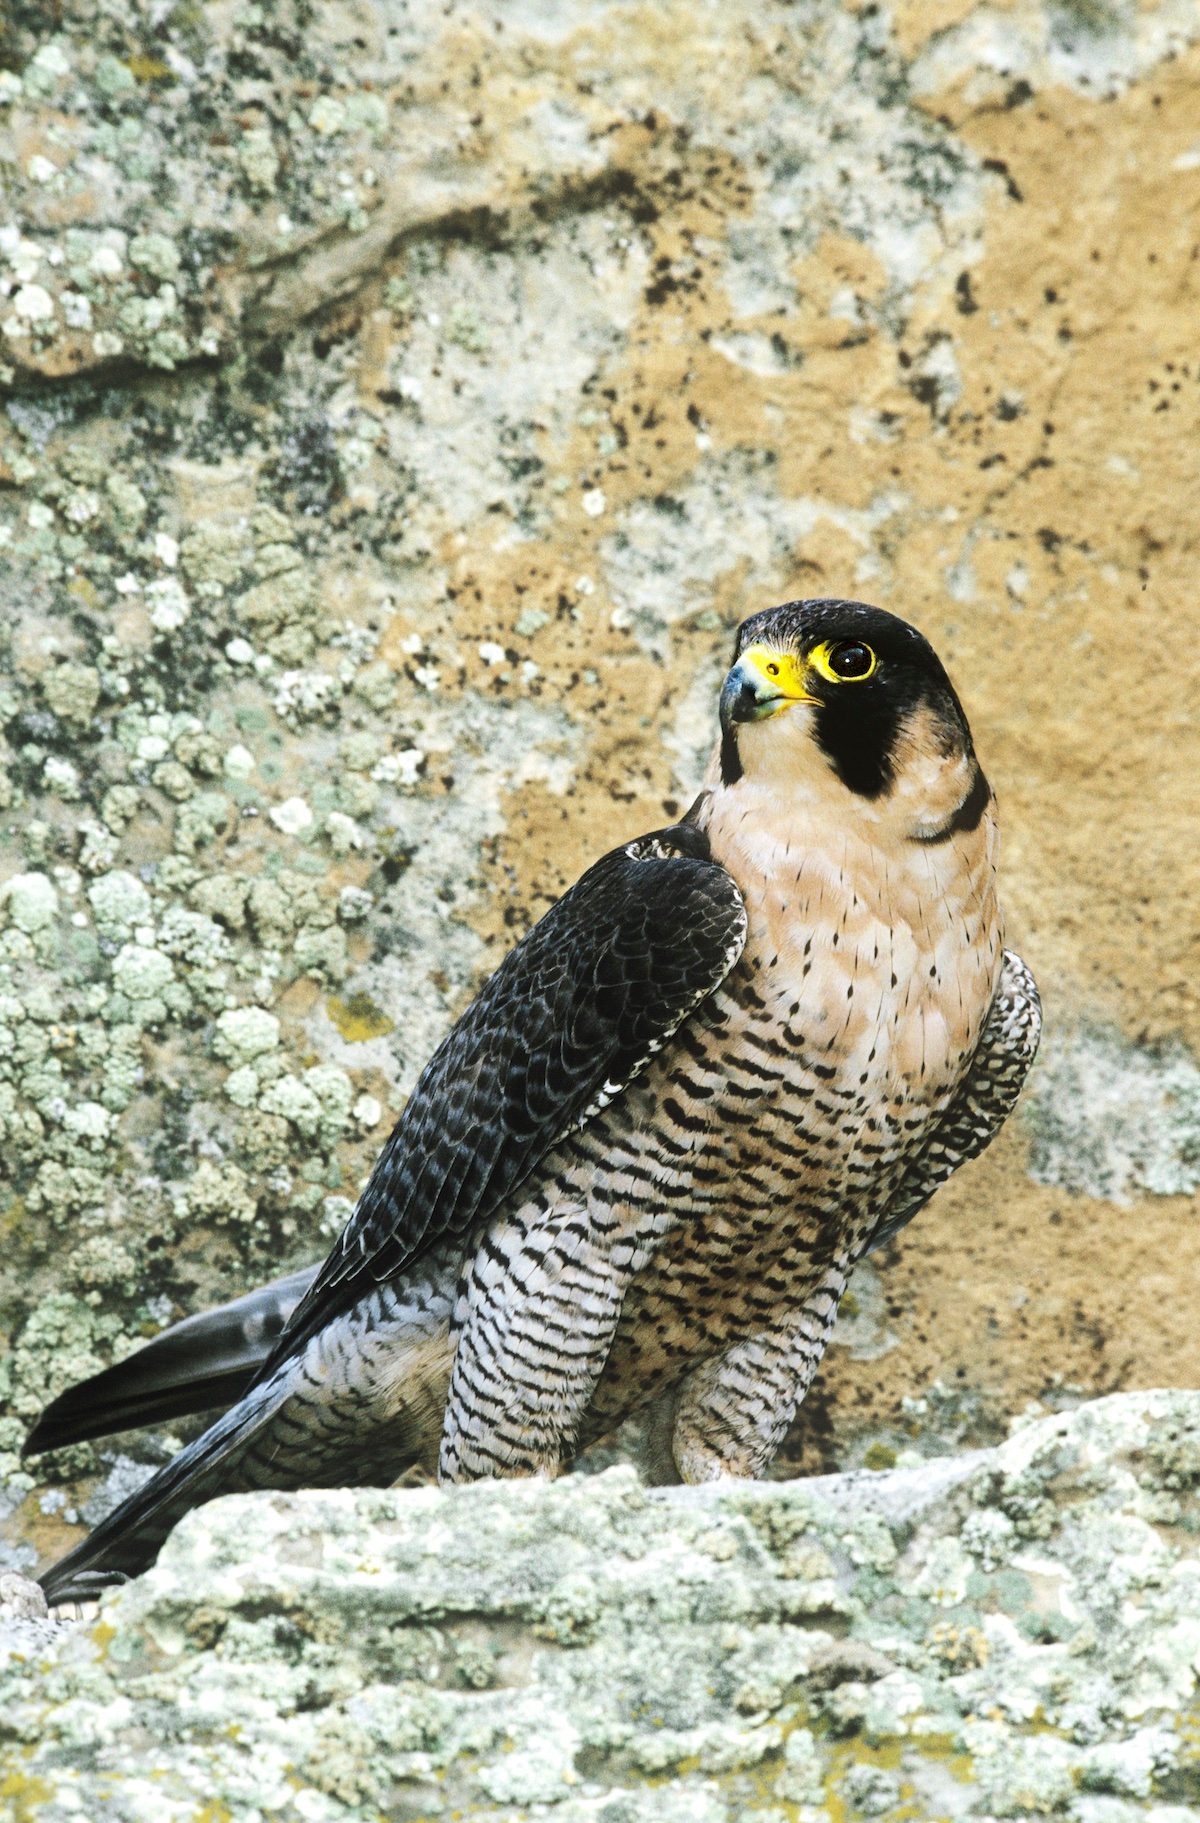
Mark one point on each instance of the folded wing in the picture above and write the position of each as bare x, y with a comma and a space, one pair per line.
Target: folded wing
581, 1004
572, 1013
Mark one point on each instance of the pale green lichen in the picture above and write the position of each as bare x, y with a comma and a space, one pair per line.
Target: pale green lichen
201, 820
322, 953
31, 901
242, 1086
612, 1653
119, 902
141, 973
245, 1032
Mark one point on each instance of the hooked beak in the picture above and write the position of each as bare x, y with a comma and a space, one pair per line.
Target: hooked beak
762, 682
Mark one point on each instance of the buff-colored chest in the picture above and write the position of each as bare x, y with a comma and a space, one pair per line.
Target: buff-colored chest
874, 956
883, 968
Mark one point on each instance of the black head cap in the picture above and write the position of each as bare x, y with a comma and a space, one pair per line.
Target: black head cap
858, 718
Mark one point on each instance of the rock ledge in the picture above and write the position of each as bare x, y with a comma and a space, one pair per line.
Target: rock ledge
1010, 1633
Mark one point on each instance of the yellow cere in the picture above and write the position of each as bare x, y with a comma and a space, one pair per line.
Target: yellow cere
779, 672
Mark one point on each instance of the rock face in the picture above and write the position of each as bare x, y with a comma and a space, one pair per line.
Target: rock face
1012, 1633
401, 405
402, 402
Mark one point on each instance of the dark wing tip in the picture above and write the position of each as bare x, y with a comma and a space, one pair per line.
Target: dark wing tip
76, 1416
106, 1405
60, 1586
198, 1365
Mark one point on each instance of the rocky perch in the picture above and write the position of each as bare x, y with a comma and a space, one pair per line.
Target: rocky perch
1008, 1633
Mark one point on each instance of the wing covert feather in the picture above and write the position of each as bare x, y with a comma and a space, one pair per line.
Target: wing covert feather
573, 1012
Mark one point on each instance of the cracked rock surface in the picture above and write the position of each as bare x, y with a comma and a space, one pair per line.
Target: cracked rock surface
1009, 1633
401, 405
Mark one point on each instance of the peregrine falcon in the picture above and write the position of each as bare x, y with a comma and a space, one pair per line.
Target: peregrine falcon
736, 1056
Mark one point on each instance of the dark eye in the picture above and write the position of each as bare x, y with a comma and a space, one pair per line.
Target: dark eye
851, 659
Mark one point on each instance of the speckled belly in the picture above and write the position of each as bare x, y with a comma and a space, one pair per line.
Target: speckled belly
747, 1164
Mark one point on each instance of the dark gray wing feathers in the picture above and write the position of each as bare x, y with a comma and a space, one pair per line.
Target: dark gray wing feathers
203, 1362
570, 1016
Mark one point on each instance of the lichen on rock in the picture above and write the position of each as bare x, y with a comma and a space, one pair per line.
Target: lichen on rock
863, 1646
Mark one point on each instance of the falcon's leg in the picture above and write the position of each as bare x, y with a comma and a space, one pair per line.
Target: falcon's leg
537, 1308
733, 1412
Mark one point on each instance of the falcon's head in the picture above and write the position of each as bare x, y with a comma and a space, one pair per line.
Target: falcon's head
860, 684
837, 687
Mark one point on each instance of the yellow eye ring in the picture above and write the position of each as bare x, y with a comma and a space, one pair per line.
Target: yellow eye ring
843, 661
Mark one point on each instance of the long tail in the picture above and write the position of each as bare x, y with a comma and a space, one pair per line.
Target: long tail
198, 1365
128, 1541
